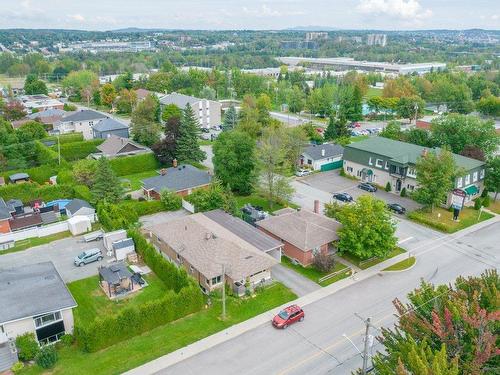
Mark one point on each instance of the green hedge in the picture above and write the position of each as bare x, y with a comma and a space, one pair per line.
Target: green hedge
45, 155
29, 191
78, 150
66, 138
40, 174
131, 321
142, 208
134, 164
114, 217
423, 219
173, 277
82, 192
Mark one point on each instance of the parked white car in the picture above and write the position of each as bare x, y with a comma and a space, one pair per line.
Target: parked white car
302, 172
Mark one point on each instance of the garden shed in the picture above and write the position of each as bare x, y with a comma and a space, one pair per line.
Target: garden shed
79, 224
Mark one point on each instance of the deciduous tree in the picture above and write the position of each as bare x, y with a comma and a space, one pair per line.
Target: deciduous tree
145, 129
493, 175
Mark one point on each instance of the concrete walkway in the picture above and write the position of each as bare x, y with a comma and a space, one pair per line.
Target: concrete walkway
230, 333
299, 284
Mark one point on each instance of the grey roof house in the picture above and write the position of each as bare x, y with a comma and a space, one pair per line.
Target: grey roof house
79, 122
115, 146
108, 127
323, 157
181, 179
35, 299
79, 207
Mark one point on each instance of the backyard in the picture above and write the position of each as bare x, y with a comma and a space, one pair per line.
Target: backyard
442, 219
367, 263
166, 338
259, 200
132, 182
313, 274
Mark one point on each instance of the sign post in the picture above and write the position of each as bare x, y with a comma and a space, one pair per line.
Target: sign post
457, 202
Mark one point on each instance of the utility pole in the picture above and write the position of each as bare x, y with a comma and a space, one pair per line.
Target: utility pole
368, 338
223, 291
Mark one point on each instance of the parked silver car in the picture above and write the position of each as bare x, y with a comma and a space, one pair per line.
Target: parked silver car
88, 256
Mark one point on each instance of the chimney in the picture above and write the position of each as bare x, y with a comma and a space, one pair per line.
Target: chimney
424, 152
322, 152
163, 171
316, 206
174, 163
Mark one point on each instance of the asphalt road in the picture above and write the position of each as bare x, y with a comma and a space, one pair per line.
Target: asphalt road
317, 345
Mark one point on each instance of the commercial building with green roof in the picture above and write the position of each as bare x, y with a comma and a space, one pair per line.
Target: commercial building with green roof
381, 160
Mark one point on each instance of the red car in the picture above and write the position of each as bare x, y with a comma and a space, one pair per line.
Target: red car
288, 316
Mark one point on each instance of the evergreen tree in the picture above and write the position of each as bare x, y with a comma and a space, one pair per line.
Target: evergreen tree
330, 133
230, 118
188, 148
107, 186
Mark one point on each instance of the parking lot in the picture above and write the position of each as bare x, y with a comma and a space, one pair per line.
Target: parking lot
332, 182
62, 254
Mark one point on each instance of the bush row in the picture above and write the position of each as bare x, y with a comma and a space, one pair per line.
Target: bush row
114, 217
423, 219
78, 150
132, 321
30, 191
46, 156
134, 164
142, 208
40, 174
66, 138
173, 277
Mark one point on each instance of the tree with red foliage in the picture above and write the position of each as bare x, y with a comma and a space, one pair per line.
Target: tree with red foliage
14, 110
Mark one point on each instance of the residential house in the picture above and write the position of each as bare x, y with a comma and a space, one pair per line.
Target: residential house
108, 127
25, 221
18, 178
208, 112
6, 212
36, 300
381, 160
213, 246
79, 207
323, 157
79, 122
49, 116
303, 233
40, 103
115, 146
141, 94
182, 179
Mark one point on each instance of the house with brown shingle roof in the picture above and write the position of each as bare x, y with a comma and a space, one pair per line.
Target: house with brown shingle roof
115, 146
303, 233
207, 243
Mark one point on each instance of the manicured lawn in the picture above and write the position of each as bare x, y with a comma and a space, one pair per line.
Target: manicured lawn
358, 138
364, 264
205, 142
36, 241
314, 275
373, 92
133, 182
258, 200
400, 266
442, 219
92, 302
495, 206
168, 338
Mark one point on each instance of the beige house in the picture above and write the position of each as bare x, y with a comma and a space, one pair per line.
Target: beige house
212, 244
33, 299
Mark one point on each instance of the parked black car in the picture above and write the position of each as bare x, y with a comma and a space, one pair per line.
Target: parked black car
397, 208
343, 197
368, 187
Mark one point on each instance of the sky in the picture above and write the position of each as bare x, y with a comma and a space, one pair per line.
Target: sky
250, 14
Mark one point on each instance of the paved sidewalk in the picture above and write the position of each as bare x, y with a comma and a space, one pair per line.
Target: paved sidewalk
238, 329
299, 284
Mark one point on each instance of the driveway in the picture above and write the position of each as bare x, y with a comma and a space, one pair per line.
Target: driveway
299, 284
62, 254
332, 182
208, 161
162, 217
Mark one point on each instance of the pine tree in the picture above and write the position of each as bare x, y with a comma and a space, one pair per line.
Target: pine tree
107, 186
330, 132
230, 118
188, 148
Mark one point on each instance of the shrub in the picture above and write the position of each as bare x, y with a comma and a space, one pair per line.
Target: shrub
142, 208
403, 192
323, 262
134, 164
17, 367
419, 217
66, 138
478, 202
66, 340
46, 357
114, 216
79, 150
27, 347
45, 155
170, 200
485, 192
82, 192
69, 107
486, 201
31, 191
388, 186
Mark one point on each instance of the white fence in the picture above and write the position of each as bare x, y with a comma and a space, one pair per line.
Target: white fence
188, 206
45, 230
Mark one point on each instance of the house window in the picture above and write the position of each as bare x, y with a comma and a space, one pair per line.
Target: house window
44, 320
378, 163
370, 161
91, 123
481, 175
459, 182
386, 165
467, 180
358, 174
349, 169
410, 187
309, 161
216, 280
411, 172
474, 177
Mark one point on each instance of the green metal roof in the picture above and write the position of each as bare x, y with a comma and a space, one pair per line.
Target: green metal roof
405, 153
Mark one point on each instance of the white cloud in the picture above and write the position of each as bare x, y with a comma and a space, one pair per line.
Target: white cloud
406, 9
266, 11
77, 17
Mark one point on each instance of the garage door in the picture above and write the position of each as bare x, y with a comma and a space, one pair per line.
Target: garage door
331, 166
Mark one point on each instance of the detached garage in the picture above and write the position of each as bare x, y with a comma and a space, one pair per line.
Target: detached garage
323, 157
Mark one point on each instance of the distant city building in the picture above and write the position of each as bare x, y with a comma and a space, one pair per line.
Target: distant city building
110, 46
348, 63
377, 40
314, 35
299, 44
